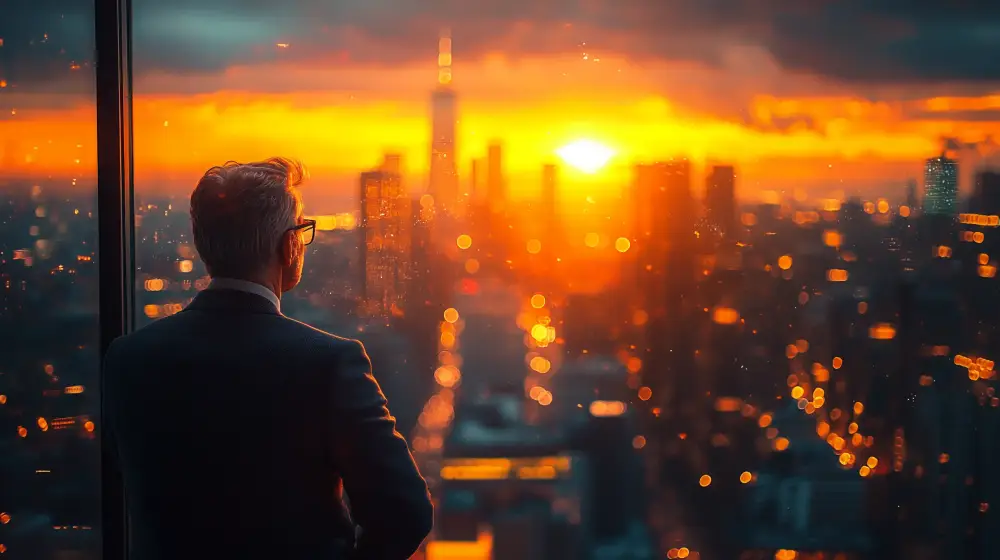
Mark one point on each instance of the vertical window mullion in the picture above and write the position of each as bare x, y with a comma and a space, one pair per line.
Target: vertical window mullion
116, 230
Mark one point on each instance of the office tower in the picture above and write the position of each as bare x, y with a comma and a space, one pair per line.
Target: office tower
720, 198
476, 196
477, 214
496, 196
474, 178
662, 201
665, 245
393, 163
912, 199
385, 252
940, 186
444, 174
550, 208
591, 323
986, 193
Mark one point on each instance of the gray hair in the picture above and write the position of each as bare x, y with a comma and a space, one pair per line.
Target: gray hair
239, 212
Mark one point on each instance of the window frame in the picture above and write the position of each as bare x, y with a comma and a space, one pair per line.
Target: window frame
116, 232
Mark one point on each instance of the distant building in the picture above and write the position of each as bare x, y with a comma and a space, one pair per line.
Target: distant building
386, 230
478, 205
665, 244
393, 163
475, 176
444, 115
720, 198
940, 186
986, 193
662, 200
591, 323
496, 195
912, 196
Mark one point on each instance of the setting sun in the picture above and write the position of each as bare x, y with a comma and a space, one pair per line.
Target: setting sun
586, 155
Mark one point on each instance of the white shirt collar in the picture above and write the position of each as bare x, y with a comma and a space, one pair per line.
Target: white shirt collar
245, 286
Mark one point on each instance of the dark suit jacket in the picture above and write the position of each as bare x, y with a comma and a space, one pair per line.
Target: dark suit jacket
238, 430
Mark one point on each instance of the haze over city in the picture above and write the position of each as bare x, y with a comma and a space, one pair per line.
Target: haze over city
776, 92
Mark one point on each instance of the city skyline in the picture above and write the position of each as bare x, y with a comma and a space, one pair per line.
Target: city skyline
636, 279
344, 99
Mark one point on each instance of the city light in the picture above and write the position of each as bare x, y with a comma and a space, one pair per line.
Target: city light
607, 408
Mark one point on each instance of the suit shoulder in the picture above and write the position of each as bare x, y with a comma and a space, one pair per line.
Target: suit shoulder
316, 346
320, 337
143, 336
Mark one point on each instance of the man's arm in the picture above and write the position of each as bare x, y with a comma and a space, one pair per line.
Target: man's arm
388, 497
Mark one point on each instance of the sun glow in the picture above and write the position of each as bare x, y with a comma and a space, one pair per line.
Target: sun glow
586, 155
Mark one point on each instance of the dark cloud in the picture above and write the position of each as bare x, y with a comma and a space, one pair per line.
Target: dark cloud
863, 42
47, 46
983, 147
971, 115
784, 124
891, 40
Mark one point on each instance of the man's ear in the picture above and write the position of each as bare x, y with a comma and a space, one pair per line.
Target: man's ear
288, 248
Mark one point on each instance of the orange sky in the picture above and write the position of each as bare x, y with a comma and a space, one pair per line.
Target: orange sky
781, 130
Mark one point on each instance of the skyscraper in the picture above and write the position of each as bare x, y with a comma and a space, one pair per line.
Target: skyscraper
475, 175
444, 174
477, 213
385, 230
665, 246
912, 198
720, 198
496, 197
986, 193
393, 163
940, 186
662, 201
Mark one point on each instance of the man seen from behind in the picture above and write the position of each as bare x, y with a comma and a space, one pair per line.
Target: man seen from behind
237, 429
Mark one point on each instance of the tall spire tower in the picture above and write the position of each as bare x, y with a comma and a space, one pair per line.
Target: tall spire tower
444, 59
444, 174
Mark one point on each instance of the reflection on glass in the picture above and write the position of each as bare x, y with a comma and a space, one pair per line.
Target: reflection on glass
709, 261
49, 391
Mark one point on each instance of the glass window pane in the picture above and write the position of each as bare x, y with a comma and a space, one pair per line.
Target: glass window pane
49, 356
683, 279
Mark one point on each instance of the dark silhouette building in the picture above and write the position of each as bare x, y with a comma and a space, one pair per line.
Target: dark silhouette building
720, 199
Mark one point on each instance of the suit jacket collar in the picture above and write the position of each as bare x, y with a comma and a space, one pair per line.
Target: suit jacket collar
232, 301
245, 286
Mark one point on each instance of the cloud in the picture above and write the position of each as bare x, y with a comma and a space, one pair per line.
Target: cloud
47, 47
862, 42
991, 115
888, 41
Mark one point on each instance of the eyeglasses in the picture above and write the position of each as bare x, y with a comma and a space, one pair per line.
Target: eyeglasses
308, 229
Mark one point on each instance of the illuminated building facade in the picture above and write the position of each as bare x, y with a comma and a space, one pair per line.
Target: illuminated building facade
940, 186
385, 252
444, 173
720, 198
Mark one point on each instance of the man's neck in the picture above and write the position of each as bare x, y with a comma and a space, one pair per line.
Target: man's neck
248, 286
